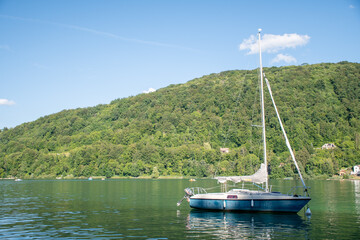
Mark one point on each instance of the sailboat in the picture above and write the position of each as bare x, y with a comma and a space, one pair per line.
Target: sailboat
262, 199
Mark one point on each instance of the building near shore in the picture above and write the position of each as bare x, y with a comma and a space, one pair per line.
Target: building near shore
328, 146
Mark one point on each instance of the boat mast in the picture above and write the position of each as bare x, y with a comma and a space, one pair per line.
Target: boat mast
263, 112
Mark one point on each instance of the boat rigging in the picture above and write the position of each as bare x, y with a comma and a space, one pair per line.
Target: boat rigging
262, 200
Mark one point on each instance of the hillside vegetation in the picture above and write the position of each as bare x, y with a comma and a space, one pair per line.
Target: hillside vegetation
178, 130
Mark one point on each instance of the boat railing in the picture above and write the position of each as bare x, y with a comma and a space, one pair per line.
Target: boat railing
245, 185
198, 190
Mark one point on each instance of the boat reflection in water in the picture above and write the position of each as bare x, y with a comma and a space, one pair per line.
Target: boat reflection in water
242, 225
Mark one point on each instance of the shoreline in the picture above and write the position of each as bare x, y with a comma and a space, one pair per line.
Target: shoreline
160, 177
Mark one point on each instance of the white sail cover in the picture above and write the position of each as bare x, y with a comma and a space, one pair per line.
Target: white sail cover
259, 177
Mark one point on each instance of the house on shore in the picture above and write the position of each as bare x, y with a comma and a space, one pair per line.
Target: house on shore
224, 150
344, 172
328, 146
356, 171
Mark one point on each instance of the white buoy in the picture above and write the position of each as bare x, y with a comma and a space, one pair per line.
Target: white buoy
308, 212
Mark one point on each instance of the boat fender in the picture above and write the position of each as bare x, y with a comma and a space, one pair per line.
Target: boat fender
252, 202
224, 204
308, 212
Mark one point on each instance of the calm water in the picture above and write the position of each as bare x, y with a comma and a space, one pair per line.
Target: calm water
146, 209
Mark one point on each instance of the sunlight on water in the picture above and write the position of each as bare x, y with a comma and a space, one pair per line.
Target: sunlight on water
357, 198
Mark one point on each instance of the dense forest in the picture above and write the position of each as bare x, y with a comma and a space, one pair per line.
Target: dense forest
178, 130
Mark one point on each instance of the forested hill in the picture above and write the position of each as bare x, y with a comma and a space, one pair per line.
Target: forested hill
178, 130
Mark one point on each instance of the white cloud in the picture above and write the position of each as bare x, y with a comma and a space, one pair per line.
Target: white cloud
351, 6
273, 43
285, 58
6, 102
150, 90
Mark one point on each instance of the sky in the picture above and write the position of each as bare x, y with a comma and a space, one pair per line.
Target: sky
65, 54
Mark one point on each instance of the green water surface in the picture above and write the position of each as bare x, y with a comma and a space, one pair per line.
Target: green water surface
146, 209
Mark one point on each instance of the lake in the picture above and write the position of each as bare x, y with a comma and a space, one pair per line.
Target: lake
146, 209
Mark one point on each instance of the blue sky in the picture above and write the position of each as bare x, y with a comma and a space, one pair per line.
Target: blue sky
65, 54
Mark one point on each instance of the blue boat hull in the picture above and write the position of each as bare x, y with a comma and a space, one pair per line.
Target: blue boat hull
260, 205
